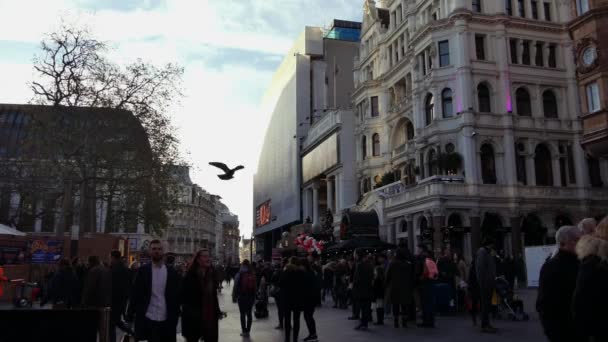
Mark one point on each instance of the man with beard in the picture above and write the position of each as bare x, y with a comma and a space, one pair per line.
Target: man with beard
155, 299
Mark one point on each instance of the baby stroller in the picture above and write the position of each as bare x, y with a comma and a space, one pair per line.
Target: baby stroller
508, 304
24, 293
261, 306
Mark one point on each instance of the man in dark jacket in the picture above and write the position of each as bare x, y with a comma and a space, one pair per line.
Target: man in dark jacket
121, 287
363, 290
556, 287
155, 299
485, 268
400, 286
97, 290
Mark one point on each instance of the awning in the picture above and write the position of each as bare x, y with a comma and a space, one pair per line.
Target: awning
360, 244
6, 230
358, 224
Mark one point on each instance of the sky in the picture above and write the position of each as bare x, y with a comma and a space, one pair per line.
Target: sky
229, 49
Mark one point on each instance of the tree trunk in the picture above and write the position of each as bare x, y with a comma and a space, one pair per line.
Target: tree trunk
65, 209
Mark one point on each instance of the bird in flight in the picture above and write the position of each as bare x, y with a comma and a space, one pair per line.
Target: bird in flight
228, 173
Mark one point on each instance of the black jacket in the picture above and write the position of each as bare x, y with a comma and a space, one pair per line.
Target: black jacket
363, 281
121, 288
142, 291
191, 299
556, 288
313, 289
64, 288
97, 290
292, 287
590, 300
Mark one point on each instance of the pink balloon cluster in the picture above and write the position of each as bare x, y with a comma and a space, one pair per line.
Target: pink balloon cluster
310, 244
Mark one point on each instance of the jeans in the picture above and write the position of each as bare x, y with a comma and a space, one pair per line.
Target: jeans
245, 308
330, 291
428, 302
289, 313
310, 320
486, 306
159, 331
280, 310
400, 309
366, 311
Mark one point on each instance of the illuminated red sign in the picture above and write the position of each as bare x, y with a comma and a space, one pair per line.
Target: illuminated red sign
262, 214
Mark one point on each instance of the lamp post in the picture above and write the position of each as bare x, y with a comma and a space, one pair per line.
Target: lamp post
251, 248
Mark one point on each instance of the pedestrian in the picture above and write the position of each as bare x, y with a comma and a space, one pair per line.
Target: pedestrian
428, 278
121, 288
341, 284
473, 294
292, 288
356, 308
461, 280
3, 279
448, 271
221, 274
97, 290
63, 288
277, 293
590, 297
329, 282
363, 289
243, 292
198, 298
399, 285
154, 300
312, 298
486, 277
557, 283
379, 292
587, 225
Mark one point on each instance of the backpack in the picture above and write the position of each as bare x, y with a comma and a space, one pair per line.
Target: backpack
430, 269
247, 284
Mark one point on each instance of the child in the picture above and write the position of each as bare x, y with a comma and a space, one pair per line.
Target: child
379, 294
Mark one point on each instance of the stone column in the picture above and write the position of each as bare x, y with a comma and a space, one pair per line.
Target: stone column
438, 224
557, 175
305, 204
530, 172
463, 99
510, 175
315, 204
330, 195
469, 152
475, 231
516, 241
338, 188
411, 237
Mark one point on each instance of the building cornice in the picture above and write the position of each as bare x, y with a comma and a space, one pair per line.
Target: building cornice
591, 15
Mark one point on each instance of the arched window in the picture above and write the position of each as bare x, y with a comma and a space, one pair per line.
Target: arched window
446, 103
542, 166
433, 163
524, 105
429, 109
483, 96
488, 165
403, 226
409, 128
595, 175
549, 104
364, 147
376, 145
455, 220
477, 6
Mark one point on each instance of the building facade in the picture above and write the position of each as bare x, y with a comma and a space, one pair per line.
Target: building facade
313, 83
590, 23
468, 123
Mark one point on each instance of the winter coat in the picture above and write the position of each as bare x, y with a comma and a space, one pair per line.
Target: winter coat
293, 286
447, 270
97, 290
363, 280
191, 298
590, 300
379, 286
312, 294
400, 282
486, 270
236, 290
556, 287
121, 287
328, 278
63, 288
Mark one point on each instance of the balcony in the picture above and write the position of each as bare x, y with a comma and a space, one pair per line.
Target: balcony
320, 128
402, 151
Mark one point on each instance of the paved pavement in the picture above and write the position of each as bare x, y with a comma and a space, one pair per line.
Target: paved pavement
333, 326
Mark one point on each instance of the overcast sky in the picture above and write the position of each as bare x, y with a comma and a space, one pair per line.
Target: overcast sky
229, 48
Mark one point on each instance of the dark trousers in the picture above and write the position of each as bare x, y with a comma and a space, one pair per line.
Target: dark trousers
428, 302
209, 332
329, 290
280, 311
486, 306
309, 312
155, 331
366, 311
356, 308
289, 314
245, 308
400, 310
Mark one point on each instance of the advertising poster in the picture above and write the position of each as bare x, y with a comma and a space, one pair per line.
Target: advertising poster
535, 258
12, 252
45, 251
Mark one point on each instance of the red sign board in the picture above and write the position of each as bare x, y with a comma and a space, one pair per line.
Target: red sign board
262, 214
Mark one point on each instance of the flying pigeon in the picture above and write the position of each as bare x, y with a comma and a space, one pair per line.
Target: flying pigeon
228, 173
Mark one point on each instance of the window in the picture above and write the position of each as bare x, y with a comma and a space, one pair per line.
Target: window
513, 48
480, 47
376, 145
542, 166
483, 96
595, 176
409, 127
403, 226
525, 55
521, 8
562, 170
364, 147
552, 56
520, 163
547, 9
534, 9
433, 165
397, 174
477, 6
549, 104
421, 168
423, 66
435, 16
582, 6
593, 97
429, 109
571, 171
522, 99
374, 103
444, 53
540, 60
488, 165
446, 103
508, 7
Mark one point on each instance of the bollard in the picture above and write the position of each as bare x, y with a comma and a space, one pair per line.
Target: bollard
104, 324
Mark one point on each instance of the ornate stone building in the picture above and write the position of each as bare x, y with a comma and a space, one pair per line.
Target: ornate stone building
589, 24
468, 123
